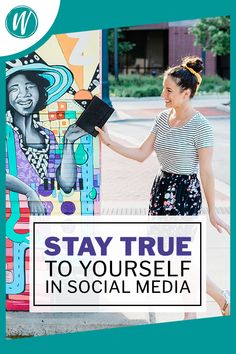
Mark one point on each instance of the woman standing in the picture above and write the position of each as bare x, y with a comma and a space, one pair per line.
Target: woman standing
183, 140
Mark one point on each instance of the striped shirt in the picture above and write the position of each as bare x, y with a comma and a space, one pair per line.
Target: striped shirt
177, 147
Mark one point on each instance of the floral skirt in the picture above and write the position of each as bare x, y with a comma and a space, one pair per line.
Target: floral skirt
175, 194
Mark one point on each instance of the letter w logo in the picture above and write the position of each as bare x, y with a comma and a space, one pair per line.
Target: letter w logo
21, 20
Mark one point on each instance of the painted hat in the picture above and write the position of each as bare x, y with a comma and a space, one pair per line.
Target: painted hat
59, 76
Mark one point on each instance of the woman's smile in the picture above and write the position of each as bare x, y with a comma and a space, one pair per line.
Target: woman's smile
25, 103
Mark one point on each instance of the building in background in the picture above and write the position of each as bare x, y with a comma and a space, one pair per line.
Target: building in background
158, 46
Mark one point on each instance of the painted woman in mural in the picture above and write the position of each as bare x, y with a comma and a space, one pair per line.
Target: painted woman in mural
30, 87
52, 166
34, 167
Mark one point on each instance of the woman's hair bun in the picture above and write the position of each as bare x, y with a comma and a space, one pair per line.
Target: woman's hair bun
193, 62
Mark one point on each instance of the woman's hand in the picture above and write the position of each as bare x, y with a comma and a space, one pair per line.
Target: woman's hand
103, 135
219, 224
35, 204
73, 133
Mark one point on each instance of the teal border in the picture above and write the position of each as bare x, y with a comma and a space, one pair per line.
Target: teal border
214, 335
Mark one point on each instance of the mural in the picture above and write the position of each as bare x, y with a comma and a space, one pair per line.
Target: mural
52, 165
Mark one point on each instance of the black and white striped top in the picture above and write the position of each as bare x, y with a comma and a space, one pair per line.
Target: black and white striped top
177, 147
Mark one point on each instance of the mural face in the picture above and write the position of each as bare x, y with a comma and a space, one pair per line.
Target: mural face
52, 165
23, 94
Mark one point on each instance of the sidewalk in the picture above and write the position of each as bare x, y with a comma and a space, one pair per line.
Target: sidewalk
212, 106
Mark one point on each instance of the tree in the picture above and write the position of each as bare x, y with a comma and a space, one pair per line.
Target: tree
213, 34
124, 46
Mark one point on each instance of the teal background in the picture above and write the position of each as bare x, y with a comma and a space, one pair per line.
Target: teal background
213, 335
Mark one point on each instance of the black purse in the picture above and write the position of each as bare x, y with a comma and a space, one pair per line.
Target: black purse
96, 114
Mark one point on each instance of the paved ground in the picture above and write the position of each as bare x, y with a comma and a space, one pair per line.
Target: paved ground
212, 105
152, 112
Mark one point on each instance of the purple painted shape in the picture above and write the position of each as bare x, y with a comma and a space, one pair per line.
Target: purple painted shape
43, 192
48, 207
68, 208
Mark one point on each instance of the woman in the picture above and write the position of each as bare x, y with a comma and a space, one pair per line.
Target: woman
182, 139
27, 94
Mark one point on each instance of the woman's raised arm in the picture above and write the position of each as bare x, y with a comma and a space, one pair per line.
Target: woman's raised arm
134, 153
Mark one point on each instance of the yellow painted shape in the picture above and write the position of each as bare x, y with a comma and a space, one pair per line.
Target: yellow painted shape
55, 123
64, 123
52, 107
67, 45
46, 124
43, 117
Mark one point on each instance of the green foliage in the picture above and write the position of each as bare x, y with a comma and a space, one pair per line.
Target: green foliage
135, 86
124, 46
148, 86
214, 84
213, 34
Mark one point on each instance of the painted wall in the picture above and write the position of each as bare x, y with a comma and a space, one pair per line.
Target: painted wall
44, 150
